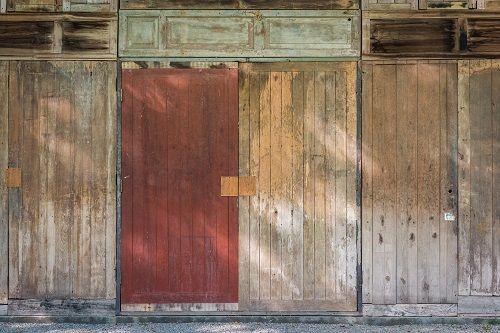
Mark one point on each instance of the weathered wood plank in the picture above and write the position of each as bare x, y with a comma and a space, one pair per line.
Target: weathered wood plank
240, 4
495, 96
479, 305
60, 6
68, 36
434, 34
233, 33
4, 192
464, 173
61, 307
367, 182
410, 310
406, 128
244, 170
384, 185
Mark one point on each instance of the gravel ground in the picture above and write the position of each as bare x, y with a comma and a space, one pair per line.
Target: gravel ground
241, 328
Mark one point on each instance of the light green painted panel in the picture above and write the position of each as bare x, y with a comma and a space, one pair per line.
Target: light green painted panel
239, 33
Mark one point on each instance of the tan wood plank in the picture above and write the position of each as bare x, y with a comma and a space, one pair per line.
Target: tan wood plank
352, 205
407, 255
298, 185
265, 185
481, 177
495, 95
286, 213
255, 219
309, 139
244, 170
341, 184
276, 197
4, 192
384, 185
367, 181
319, 185
464, 218
330, 184
448, 189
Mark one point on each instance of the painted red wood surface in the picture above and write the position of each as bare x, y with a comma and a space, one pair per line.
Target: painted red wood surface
179, 236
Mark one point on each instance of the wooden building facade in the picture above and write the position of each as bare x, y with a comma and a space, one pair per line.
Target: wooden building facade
221, 156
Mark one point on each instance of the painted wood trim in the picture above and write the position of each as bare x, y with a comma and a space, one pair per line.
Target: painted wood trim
173, 33
240, 4
479, 305
410, 310
13, 6
60, 36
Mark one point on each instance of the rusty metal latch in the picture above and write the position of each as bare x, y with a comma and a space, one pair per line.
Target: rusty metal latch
13, 177
237, 186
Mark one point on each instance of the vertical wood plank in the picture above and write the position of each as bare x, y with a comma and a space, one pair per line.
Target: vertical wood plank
495, 95
384, 185
407, 183
330, 186
319, 185
15, 204
4, 192
286, 213
481, 177
255, 218
464, 217
298, 185
265, 185
367, 182
341, 184
309, 191
276, 194
352, 213
244, 170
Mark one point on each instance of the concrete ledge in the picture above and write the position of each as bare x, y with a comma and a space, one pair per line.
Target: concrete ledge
302, 318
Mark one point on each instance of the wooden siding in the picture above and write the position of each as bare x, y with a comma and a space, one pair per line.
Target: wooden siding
479, 177
298, 234
239, 4
430, 34
62, 219
236, 33
59, 5
409, 172
63, 36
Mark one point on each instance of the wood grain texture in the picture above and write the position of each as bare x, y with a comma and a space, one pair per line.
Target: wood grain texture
479, 306
300, 251
410, 310
4, 193
61, 307
180, 135
60, 6
239, 33
430, 34
443, 5
479, 251
62, 219
239, 4
409, 163
66, 36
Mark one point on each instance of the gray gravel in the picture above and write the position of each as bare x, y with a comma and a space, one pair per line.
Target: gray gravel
241, 328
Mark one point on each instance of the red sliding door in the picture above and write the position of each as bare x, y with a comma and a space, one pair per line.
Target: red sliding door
179, 236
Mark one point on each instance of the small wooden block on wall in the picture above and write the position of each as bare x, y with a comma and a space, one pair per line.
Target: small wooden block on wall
237, 186
13, 177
